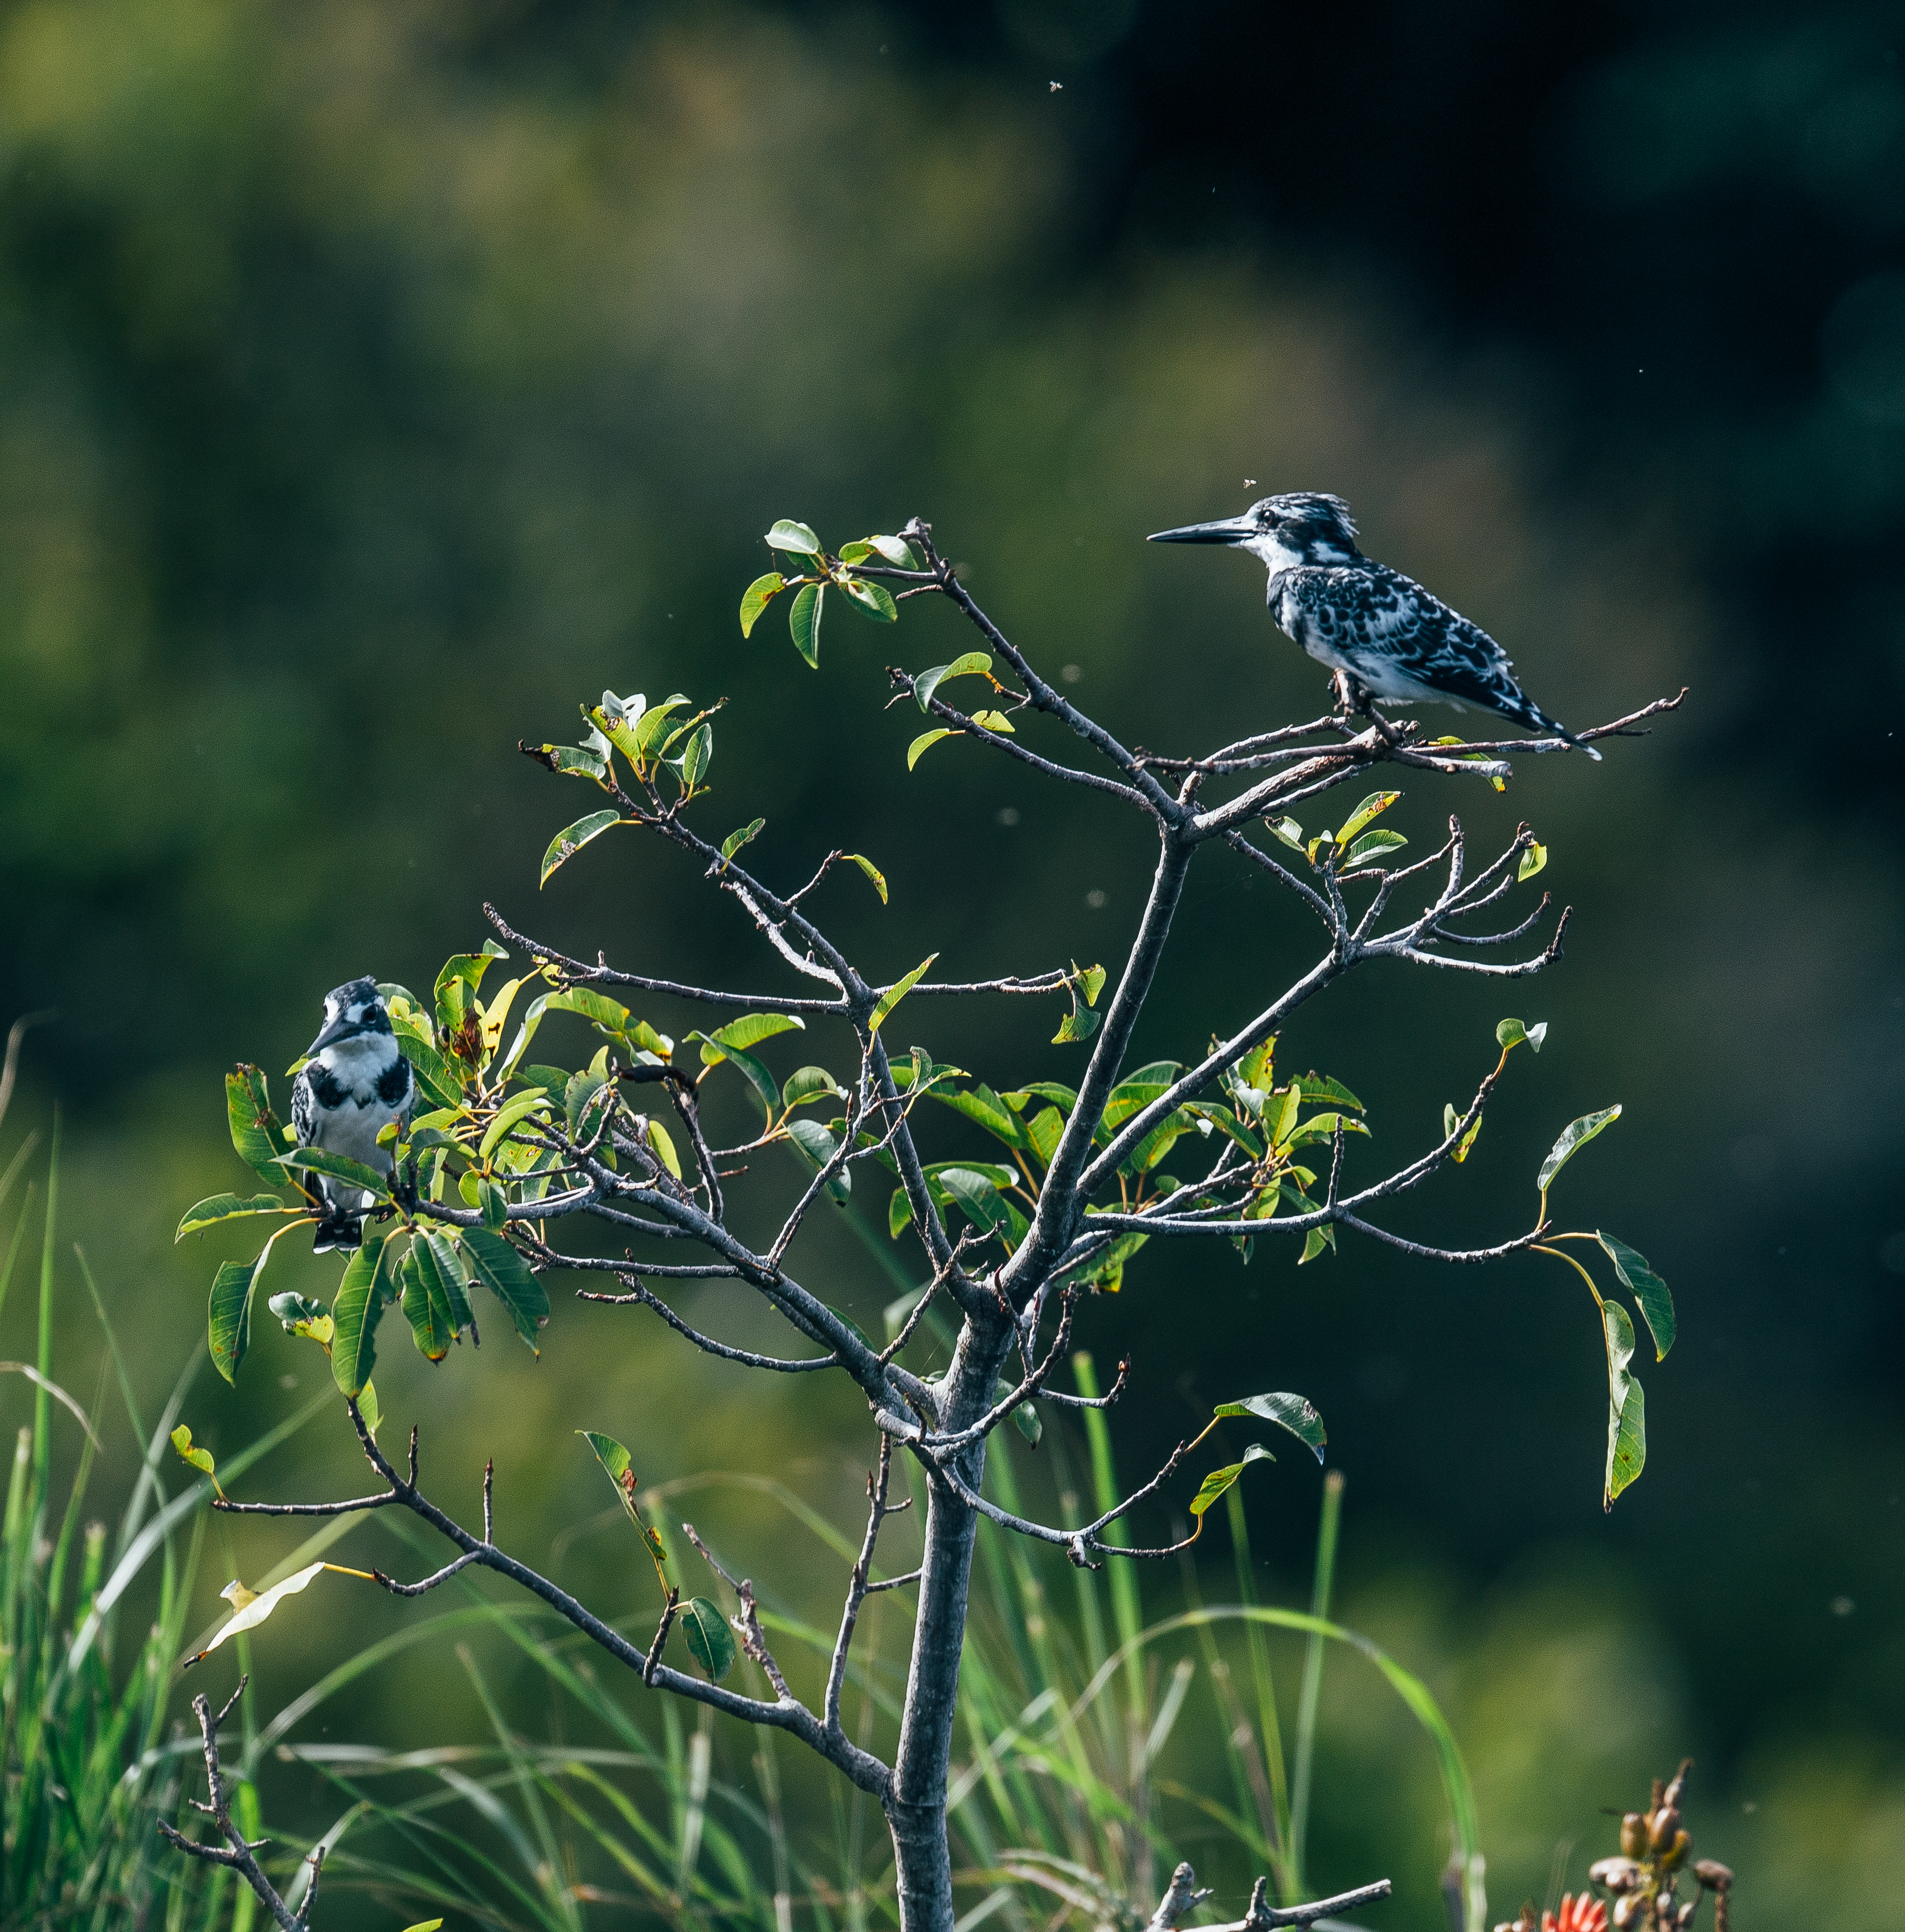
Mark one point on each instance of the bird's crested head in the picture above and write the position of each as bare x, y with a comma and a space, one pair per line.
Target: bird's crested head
1301, 527
355, 1009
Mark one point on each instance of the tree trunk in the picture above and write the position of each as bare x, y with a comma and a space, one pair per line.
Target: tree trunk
915, 1809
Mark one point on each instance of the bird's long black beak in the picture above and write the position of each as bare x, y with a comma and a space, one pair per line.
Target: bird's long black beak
1226, 530
340, 1028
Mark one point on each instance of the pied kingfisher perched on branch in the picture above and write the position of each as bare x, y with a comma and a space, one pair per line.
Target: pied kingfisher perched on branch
1387, 639
352, 1084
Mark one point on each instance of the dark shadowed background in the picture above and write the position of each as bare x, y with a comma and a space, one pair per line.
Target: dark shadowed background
377, 381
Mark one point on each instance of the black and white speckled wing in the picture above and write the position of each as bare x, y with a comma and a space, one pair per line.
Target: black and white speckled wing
304, 1118
1398, 639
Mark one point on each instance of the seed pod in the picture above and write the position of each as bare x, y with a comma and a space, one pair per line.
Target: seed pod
1685, 1915
1661, 1829
1616, 1874
1628, 1909
1676, 1854
1634, 1835
1712, 1874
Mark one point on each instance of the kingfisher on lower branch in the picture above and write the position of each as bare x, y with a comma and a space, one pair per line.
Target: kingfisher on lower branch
1387, 639
353, 1083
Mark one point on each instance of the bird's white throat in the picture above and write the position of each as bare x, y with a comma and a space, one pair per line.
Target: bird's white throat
1272, 552
357, 1063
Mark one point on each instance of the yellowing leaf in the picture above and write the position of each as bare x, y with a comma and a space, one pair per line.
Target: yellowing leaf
254, 1607
756, 598
894, 994
200, 1459
872, 871
923, 743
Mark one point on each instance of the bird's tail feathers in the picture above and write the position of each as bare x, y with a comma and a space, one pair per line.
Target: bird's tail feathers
1533, 714
339, 1230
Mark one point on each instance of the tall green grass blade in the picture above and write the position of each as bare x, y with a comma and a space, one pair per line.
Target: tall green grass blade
1322, 1584
19, 1235
1270, 1729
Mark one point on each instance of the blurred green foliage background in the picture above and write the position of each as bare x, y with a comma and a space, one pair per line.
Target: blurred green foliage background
375, 381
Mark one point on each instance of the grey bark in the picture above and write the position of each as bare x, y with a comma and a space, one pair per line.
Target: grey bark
916, 1802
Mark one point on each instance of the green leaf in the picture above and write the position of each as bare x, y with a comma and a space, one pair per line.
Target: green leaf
1063, 1098
1288, 830
1575, 1135
697, 756
1313, 1086
465, 969
428, 1314
816, 1146
1626, 1409
750, 1030
976, 1192
617, 1465
896, 551
1371, 808
1214, 1485
872, 600
228, 1323
1043, 1130
788, 536
493, 1203
897, 992
226, 1208
1647, 1289
1512, 1033
502, 1270
447, 1276
610, 1015
302, 1315
355, 1315
579, 1097
255, 1133
576, 761
339, 1167
994, 720
654, 724
1025, 1420
899, 1216
1370, 847
984, 1108
872, 871
709, 1637
1081, 1023
974, 663
442, 1087
1532, 860
1315, 1241
924, 743
810, 1083
758, 596
658, 1138
767, 1089
1091, 983
1451, 1120
1287, 1412
200, 1459
572, 839
518, 1108
804, 623
735, 841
